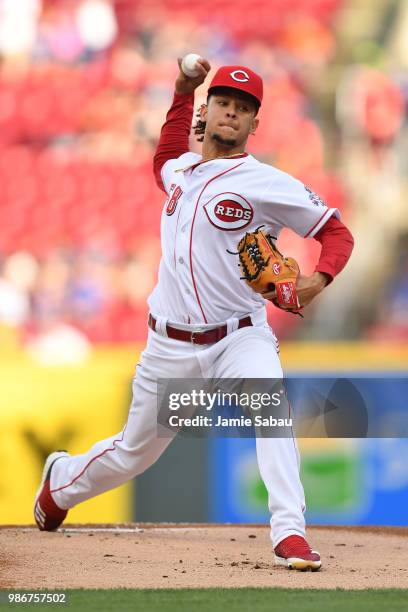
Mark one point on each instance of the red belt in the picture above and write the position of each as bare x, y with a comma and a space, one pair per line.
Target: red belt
199, 337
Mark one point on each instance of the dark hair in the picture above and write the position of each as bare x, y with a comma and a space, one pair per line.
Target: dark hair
199, 127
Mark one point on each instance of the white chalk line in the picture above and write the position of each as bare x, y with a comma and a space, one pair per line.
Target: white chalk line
119, 529
129, 530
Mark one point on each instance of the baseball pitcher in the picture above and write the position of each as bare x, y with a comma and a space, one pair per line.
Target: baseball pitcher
207, 314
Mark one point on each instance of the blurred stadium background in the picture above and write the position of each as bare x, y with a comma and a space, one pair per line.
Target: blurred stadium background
84, 88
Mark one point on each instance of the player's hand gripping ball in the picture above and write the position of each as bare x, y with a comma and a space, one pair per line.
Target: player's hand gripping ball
189, 65
268, 272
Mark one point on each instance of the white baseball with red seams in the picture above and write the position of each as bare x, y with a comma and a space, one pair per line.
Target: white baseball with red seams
189, 64
210, 206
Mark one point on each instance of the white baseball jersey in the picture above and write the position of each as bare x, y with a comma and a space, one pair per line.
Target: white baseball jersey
209, 208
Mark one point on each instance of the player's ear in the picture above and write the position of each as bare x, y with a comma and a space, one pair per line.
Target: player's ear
203, 112
254, 126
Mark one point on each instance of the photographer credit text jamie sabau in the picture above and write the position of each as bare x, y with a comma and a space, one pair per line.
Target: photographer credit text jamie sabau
209, 401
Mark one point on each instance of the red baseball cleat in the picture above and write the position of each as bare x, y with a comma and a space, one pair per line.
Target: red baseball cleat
47, 514
295, 553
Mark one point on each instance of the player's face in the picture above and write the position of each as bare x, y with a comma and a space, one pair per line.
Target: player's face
230, 119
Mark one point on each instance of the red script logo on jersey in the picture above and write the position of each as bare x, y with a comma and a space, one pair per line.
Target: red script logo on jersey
175, 193
229, 211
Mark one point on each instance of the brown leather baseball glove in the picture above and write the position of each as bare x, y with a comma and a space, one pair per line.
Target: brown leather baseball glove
267, 271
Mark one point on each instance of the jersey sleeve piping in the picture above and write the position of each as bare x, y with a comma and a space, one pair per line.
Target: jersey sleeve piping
320, 222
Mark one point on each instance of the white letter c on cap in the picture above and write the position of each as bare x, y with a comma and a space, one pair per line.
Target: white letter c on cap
240, 75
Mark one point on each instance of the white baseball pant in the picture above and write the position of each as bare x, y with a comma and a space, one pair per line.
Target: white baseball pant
249, 352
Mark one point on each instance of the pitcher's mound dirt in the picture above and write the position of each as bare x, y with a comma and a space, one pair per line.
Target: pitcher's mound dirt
176, 556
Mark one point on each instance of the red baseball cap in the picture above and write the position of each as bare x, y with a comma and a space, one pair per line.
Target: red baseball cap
238, 77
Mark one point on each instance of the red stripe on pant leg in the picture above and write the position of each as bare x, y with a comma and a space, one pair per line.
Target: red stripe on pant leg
91, 461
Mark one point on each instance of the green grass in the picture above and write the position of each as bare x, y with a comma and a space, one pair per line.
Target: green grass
226, 600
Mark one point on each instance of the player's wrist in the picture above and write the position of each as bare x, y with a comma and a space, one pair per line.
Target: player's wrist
320, 280
184, 96
183, 88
